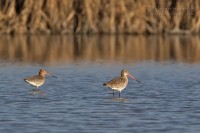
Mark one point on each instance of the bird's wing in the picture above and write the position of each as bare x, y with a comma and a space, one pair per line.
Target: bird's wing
117, 82
33, 78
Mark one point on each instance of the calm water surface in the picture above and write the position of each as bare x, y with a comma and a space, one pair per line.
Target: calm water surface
167, 101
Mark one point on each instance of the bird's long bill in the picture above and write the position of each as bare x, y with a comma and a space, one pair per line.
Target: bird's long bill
51, 75
134, 78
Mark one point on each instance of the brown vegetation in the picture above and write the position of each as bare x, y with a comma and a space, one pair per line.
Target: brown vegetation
99, 16
105, 49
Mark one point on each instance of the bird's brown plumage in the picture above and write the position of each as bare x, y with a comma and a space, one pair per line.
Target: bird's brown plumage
37, 80
119, 83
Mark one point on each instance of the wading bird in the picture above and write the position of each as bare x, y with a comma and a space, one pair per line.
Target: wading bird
37, 80
119, 83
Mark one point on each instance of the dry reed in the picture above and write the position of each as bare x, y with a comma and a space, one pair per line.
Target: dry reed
99, 16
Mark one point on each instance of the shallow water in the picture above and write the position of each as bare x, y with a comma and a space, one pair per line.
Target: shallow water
168, 100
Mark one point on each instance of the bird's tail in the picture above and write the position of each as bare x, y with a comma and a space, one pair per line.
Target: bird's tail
25, 80
105, 84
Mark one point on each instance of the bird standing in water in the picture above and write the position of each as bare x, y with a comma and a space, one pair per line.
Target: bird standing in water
37, 80
120, 83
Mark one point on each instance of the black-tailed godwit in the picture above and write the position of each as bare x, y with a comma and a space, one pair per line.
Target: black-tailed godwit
119, 83
37, 80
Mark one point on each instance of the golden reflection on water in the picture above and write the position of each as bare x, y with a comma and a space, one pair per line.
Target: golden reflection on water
127, 49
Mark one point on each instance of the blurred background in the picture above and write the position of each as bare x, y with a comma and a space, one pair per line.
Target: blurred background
128, 30
100, 16
55, 50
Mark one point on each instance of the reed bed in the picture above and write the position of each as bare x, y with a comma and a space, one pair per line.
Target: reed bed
99, 16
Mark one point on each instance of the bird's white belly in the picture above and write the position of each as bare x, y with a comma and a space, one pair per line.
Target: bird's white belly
118, 89
37, 84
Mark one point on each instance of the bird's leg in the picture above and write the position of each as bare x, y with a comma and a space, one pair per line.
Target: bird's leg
113, 93
119, 94
35, 89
